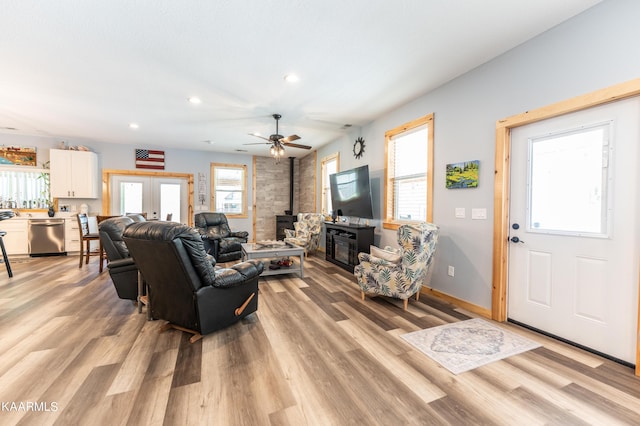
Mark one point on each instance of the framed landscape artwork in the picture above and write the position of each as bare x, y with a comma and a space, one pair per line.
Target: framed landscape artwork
463, 175
17, 156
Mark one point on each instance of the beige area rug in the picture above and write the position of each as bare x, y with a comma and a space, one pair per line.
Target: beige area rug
465, 345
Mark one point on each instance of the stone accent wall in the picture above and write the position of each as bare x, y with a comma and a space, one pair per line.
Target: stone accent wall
271, 192
307, 183
271, 195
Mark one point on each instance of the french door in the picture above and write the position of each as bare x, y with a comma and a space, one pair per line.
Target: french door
163, 198
573, 247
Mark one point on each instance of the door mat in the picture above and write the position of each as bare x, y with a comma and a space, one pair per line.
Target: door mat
465, 345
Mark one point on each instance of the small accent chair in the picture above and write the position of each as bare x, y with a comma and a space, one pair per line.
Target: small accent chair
403, 271
184, 287
85, 240
219, 240
306, 232
121, 267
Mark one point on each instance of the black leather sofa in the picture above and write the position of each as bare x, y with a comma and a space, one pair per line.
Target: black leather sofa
184, 287
219, 240
122, 268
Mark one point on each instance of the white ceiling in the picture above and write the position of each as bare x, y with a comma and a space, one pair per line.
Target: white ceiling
85, 69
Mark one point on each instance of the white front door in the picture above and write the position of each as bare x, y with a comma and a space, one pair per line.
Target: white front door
573, 255
159, 197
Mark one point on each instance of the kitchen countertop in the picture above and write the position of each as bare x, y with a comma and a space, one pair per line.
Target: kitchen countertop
24, 215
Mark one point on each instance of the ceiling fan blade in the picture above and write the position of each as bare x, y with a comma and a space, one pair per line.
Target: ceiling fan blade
290, 138
258, 143
261, 137
295, 145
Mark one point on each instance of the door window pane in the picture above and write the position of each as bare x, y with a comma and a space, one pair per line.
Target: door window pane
130, 197
568, 178
170, 201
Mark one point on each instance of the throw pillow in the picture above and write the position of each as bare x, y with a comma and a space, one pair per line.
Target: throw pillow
384, 254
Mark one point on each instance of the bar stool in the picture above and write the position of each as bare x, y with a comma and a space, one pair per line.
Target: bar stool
5, 215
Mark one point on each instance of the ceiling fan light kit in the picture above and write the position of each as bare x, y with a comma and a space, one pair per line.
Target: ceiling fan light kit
279, 142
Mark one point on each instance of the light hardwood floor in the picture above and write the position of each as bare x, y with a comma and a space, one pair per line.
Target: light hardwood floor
313, 354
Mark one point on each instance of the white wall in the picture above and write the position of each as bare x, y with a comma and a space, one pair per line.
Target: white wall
592, 51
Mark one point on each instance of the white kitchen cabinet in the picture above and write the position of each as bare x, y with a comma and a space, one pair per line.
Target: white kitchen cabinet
74, 174
17, 239
71, 235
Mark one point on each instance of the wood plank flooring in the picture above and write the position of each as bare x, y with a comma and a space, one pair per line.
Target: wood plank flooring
313, 354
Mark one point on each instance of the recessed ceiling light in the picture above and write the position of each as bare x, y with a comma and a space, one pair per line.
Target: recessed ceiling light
133, 125
195, 100
291, 78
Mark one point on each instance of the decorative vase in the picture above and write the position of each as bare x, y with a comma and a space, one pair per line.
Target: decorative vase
51, 212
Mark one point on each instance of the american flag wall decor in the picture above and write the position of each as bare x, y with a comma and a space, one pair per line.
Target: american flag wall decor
149, 159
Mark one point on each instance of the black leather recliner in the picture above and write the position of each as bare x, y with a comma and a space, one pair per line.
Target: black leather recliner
183, 285
225, 245
122, 268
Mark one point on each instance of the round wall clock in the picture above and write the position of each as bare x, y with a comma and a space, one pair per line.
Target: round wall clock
358, 148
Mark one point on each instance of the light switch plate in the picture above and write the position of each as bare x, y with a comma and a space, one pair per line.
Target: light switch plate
461, 212
478, 213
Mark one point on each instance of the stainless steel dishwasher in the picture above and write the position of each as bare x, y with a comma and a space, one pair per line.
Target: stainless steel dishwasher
46, 237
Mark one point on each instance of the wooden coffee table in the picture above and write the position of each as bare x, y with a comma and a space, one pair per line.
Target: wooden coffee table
260, 251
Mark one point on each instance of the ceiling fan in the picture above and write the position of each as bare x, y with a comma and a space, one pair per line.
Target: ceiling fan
278, 142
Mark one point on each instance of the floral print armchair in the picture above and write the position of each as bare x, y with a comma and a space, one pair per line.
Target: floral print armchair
306, 232
401, 277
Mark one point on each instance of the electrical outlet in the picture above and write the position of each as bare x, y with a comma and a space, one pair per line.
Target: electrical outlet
451, 271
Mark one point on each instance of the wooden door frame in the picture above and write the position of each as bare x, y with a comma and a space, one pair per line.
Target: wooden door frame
107, 174
501, 184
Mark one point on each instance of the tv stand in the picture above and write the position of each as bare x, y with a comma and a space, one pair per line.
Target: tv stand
344, 242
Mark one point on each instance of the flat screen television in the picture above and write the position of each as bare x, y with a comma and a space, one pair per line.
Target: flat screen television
351, 193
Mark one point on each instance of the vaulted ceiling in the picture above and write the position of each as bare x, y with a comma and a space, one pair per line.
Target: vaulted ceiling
85, 70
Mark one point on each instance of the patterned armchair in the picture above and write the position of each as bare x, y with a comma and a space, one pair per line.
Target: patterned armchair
306, 232
403, 271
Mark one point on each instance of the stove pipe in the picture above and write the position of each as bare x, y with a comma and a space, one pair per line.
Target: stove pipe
290, 211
